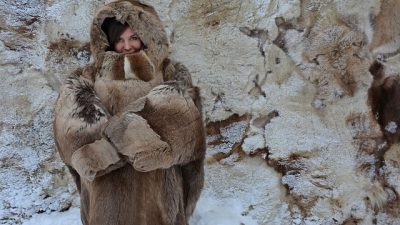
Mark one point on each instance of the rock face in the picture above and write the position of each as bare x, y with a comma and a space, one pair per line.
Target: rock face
288, 98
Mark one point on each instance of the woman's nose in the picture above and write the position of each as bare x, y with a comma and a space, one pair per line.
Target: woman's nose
127, 45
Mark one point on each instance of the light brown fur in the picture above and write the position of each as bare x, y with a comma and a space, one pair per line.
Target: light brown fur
117, 90
386, 26
135, 147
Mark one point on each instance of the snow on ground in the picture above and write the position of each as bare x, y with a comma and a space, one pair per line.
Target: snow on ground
70, 217
209, 212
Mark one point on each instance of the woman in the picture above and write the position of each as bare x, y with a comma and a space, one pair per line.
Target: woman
121, 37
129, 127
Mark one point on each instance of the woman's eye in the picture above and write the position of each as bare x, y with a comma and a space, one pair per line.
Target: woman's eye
134, 38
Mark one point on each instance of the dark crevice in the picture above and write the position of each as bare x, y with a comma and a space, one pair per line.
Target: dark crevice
215, 128
219, 99
257, 90
262, 121
260, 34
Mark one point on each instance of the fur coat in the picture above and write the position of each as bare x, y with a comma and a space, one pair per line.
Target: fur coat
130, 130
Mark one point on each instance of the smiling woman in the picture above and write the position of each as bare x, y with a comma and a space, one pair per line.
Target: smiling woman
129, 126
121, 37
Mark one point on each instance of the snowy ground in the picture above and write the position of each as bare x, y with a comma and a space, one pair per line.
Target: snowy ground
209, 212
70, 217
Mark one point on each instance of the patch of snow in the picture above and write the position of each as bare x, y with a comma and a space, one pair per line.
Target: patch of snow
234, 132
70, 217
231, 135
32, 180
79, 14
391, 127
384, 218
252, 143
260, 192
302, 132
210, 211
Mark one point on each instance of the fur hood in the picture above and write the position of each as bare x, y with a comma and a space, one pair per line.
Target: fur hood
143, 18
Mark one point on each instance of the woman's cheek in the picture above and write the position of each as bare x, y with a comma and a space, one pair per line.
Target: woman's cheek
137, 45
119, 47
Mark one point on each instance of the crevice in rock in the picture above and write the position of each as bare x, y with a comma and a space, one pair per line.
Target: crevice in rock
260, 152
283, 26
260, 34
263, 120
227, 137
219, 102
352, 221
284, 166
257, 89
295, 166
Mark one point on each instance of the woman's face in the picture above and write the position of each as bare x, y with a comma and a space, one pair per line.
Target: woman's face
129, 42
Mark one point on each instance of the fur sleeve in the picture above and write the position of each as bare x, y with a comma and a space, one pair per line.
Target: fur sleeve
78, 122
193, 167
174, 112
177, 72
178, 75
171, 121
162, 129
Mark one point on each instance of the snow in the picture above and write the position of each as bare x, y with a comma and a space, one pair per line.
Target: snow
208, 212
257, 201
252, 143
70, 217
231, 135
227, 212
306, 132
391, 127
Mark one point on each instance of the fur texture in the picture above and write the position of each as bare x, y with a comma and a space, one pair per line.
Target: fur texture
122, 79
332, 41
130, 129
386, 25
384, 96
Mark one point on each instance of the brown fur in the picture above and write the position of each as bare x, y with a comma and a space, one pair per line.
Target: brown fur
336, 50
141, 66
147, 168
118, 70
122, 79
96, 159
172, 116
88, 112
384, 97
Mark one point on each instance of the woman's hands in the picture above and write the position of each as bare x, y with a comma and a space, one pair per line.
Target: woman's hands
138, 143
96, 159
